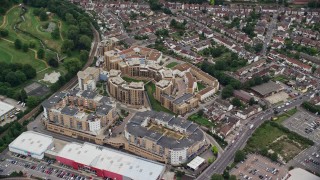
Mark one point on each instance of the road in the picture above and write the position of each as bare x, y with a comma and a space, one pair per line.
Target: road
228, 155
269, 33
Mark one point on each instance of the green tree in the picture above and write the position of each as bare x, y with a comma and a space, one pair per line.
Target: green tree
210, 160
214, 150
252, 101
23, 95
12, 79
29, 71
4, 32
55, 34
236, 102
85, 42
21, 77
67, 46
227, 92
84, 55
33, 101
18, 44
239, 156
226, 174
53, 62
211, 2
274, 156
43, 15
41, 54
233, 177
25, 47
217, 177
72, 65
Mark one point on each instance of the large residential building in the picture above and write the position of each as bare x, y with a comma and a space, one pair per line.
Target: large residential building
163, 137
128, 93
88, 78
80, 114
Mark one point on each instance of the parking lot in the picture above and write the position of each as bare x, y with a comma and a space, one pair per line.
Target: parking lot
304, 124
259, 167
308, 159
18, 108
46, 169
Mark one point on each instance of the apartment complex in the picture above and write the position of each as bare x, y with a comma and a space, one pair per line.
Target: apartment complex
163, 137
88, 78
80, 114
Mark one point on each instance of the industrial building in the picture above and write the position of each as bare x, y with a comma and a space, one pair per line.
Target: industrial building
6, 110
32, 144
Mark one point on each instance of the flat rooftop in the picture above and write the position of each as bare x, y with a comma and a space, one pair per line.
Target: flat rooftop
267, 88
33, 142
113, 161
5, 108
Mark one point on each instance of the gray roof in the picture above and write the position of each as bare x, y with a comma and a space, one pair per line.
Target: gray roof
165, 117
167, 97
73, 92
48, 103
180, 123
69, 111
139, 117
105, 100
89, 94
267, 88
103, 109
192, 128
183, 98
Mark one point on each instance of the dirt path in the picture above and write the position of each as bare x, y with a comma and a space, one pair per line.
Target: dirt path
4, 22
35, 54
60, 29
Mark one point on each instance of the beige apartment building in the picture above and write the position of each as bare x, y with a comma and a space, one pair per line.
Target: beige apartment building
88, 78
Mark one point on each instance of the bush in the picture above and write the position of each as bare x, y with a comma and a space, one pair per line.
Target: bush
4, 32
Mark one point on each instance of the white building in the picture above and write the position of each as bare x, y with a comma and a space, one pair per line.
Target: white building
32, 144
6, 110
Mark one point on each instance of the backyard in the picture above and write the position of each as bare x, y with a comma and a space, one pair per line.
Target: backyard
200, 86
200, 120
171, 65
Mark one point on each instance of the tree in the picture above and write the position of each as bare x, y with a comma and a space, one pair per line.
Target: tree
227, 92
214, 150
211, 2
32, 101
252, 101
236, 102
18, 44
233, 177
41, 53
85, 42
55, 34
23, 95
84, 55
4, 32
53, 62
274, 156
72, 65
217, 177
239, 156
258, 47
200, 112
67, 46
29, 71
226, 174
25, 47
12, 79
43, 15
21, 77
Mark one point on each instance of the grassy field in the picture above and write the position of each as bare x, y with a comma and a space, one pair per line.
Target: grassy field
200, 120
283, 142
200, 86
151, 88
9, 54
171, 65
33, 25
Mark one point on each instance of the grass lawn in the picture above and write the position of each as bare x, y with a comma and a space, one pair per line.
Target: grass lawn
172, 64
200, 120
151, 88
200, 86
129, 79
1, 20
281, 78
9, 54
